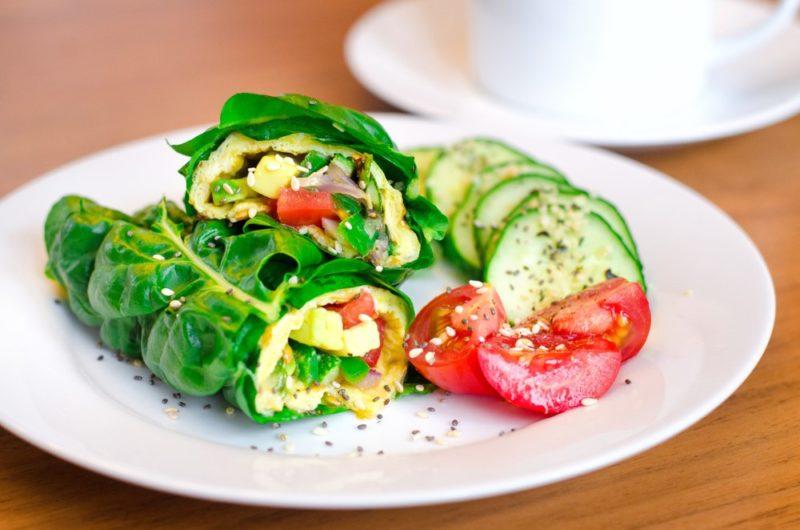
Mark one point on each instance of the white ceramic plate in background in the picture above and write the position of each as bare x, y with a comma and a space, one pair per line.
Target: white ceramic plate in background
55, 393
413, 54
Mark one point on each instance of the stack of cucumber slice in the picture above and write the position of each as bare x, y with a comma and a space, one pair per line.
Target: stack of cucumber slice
520, 225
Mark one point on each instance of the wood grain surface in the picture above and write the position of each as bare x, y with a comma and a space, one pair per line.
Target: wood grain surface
81, 75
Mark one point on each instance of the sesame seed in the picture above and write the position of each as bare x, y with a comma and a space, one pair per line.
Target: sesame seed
475, 283
319, 431
175, 304
551, 361
422, 414
227, 188
419, 388
137, 363
229, 411
430, 357
338, 127
453, 433
362, 184
543, 348
440, 441
436, 341
283, 437
482, 290
348, 225
560, 347
302, 230
251, 178
415, 352
481, 340
158, 257
450, 331
252, 212
294, 183
588, 402
166, 291
293, 280
473, 317
688, 292
398, 386
172, 413
364, 318
459, 309
379, 268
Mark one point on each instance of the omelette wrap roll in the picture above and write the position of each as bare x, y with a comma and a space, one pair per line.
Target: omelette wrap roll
261, 315
330, 173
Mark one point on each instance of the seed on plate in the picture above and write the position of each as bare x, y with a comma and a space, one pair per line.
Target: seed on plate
440, 441
431, 409
422, 414
172, 413
283, 437
137, 377
319, 431
361, 426
453, 433
166, 291
329, 443
229, 411
100, 357
627, 381
165, 401
588, 402
289, 448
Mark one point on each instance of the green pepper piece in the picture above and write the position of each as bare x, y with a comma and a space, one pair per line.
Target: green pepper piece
328, 368
347, 165
313, 161
354, 231
354, 369
307, 360
225, 191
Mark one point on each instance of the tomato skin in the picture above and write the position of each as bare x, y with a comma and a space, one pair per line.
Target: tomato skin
303, 207
554, 381
351, 312
455, 364
616, 309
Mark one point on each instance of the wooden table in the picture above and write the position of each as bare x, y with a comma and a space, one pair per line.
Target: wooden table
77, 76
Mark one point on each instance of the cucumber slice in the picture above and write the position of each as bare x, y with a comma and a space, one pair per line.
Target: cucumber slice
425, 157
452, 173
574, 198
462, 224
496, 205
547, 254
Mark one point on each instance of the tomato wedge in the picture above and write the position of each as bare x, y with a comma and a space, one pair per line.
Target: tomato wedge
547, 373
616, 310
373, 356
303, 207
443, 340
351, 312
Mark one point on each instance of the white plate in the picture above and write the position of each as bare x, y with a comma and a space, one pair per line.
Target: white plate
57, 395
412, 53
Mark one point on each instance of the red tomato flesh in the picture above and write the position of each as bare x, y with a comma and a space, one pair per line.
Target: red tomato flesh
303, 207
616, 310
351, 312
443, 340
553, 380
373, 356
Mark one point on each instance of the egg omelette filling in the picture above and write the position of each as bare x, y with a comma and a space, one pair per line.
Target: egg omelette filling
244, 177
307, 358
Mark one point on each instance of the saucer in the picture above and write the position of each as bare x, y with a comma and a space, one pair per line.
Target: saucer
413, 54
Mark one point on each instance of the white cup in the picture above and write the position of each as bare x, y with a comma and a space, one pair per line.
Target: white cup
601, 59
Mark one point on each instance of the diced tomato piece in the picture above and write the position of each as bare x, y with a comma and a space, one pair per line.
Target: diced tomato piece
351, 312
373, 356
443, 339
616, 310
548, 373
303, 207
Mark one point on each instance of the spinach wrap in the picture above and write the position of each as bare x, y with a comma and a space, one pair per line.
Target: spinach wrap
253, 310
330, 173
